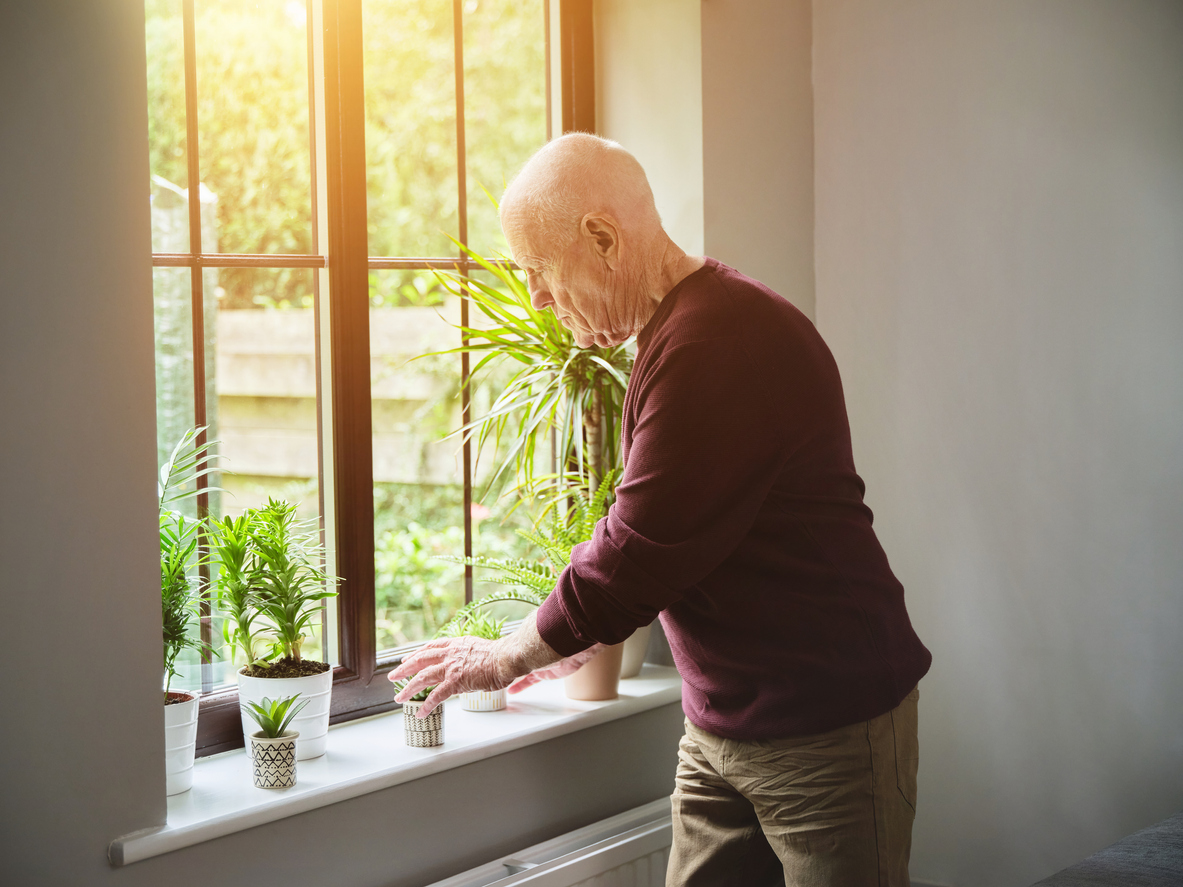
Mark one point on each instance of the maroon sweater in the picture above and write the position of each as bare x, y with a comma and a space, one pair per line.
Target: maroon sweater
740, 519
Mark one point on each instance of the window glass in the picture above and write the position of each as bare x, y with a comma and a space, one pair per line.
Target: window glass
418, 476
166, 123
410, 127
504, 105
252, 86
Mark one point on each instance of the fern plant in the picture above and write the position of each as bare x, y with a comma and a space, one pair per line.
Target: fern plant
274, 715
531, 581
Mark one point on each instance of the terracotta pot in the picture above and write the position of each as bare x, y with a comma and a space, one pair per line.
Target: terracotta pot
180, 741
598, 679
312, 723
634, 652
484, 700
273, 761
426, 733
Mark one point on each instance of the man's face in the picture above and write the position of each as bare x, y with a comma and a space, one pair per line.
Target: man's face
576, 285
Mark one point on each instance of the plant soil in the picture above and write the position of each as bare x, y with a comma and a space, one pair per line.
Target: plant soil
286, 668
175, 698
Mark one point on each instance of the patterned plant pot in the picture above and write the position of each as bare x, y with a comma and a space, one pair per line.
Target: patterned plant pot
484, 700
426, 733
312, 723
273, 761
180, 741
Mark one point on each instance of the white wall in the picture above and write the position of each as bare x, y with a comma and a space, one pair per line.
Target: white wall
757, 124
649, 98
81, 730
1000, 275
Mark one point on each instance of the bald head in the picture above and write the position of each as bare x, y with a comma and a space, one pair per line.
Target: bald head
572, 176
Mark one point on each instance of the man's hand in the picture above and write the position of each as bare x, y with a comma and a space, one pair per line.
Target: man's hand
455, 665
463, 665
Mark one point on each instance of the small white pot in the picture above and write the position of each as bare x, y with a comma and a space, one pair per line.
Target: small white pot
273, 761
312, 723
426, 733
635, 649
180, 742
484, 700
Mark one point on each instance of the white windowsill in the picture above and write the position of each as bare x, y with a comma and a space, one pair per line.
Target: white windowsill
368, 755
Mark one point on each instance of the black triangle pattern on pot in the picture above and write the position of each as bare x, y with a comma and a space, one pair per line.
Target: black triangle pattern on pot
274, 766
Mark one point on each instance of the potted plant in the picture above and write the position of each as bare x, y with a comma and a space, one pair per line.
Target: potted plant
419, 732
273, 746
272, 590
179, 602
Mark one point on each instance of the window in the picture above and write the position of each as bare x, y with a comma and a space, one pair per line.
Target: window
338, 145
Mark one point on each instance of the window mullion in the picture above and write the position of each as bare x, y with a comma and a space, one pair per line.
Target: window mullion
349, 353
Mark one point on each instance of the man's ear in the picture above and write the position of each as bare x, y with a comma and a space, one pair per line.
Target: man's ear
603, 235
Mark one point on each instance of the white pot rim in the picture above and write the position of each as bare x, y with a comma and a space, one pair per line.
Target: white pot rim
258, 736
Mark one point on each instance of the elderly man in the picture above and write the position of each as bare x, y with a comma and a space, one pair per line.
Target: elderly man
740, 520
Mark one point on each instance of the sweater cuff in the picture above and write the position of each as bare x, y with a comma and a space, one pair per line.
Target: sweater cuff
554, 628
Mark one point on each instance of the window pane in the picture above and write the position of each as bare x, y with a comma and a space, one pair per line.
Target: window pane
418, 492
410, 127
504, 104
252, 81
166, 123
264, 408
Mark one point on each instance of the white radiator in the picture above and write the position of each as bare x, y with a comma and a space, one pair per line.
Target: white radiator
629, 850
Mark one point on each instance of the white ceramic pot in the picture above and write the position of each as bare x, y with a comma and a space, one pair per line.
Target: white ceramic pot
484, 700
598, 679
180, 741
634, 652
312, 723
273, 761
426, 733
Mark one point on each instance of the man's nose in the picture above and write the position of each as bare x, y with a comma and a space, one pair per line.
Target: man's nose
540, 297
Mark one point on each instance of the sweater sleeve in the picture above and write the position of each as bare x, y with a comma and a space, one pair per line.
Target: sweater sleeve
706, 449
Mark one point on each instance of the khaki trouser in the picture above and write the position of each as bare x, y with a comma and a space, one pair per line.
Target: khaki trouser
830, 810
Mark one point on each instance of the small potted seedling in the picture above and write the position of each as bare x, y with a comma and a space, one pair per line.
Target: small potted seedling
179, 602
419, 732
271, 588
475, 623
273, 746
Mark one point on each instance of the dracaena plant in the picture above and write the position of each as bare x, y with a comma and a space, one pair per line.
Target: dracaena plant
274, 715
553, 384
180, 597
289, 585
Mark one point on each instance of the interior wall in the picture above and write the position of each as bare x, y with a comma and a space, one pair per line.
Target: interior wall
81, 728
999, 190
757, 124
78, 535
649, 98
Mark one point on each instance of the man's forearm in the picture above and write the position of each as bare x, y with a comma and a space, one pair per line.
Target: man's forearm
524, 651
